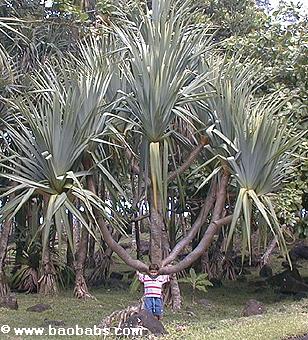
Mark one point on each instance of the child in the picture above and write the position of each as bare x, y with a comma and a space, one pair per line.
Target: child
153, 283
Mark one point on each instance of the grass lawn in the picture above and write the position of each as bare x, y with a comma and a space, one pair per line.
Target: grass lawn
222, 320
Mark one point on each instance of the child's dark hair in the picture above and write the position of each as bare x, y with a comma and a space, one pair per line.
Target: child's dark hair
153, 267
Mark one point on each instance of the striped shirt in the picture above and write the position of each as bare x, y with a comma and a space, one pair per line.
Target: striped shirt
153, 287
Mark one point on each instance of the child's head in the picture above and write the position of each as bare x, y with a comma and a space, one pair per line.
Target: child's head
153, 269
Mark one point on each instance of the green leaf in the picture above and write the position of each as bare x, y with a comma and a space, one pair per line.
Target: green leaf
193, 274
201, 288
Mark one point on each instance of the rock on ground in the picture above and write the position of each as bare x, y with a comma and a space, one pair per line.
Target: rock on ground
205, 303
253, 307
266, 271
9, 302
278, 279
147, 320
54, 323
39, 308
293, 286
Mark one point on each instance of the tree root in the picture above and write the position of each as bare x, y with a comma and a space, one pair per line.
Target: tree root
48, 284
81, 289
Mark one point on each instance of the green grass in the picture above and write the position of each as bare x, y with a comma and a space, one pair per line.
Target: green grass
221, 321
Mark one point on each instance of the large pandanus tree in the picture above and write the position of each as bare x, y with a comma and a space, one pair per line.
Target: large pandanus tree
173, 73
167, 75
57, 123
250, 139
162, 56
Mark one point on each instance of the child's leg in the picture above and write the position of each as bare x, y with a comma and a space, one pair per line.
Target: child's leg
148, 304
159, 308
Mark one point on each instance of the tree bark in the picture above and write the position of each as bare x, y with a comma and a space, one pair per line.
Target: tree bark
175, 293
186, 262
137, 228
205, 262
116, 247
216, 269
199, 250
90, 260
102, 267
69, 252
157, 225
48, 281
172, 223
4, 237
20, 232
174, 289
81, 290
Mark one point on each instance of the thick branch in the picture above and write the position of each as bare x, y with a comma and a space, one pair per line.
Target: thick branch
200, 249
209, 233
114, 246
269, 251
192, 157
118, 249
207, 206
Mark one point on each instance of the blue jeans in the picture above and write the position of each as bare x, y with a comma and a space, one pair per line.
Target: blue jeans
154, 305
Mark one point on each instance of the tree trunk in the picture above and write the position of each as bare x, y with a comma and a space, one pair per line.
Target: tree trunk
174, 294
137, 228
20, 232
205, 262
157, 225
197, 224
211, 231
4, 237
81, 289
48, 281
133, 239
216, 270
69, 252
91, 260
172, 224
184, 231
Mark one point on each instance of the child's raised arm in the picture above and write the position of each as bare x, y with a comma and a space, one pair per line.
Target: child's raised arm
165, 278
140, 276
